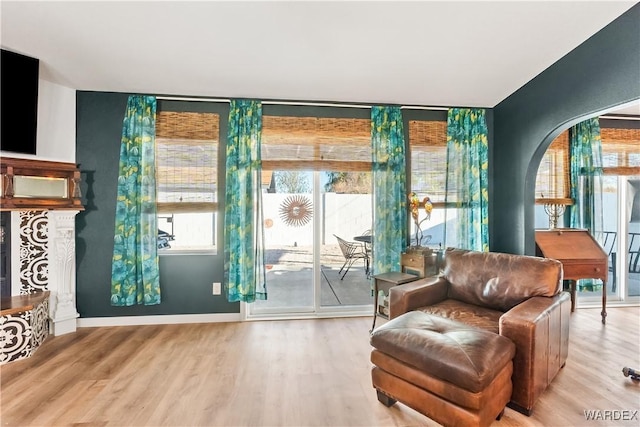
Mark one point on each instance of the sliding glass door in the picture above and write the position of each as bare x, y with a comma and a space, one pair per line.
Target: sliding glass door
307, 271
620, 234
345, 241
620, 240
316, 188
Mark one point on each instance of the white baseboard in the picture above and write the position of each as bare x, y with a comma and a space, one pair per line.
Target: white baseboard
91, 322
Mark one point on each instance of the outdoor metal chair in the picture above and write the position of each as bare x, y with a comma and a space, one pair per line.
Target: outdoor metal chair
634, 252
367, 245
368, 250
608, 241
352, 252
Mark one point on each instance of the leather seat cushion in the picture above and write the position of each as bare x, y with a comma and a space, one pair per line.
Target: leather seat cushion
469, 314
464, 355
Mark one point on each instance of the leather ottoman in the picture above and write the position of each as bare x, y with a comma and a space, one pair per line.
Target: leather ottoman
455, 374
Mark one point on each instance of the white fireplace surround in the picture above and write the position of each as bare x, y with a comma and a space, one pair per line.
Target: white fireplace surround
43, 257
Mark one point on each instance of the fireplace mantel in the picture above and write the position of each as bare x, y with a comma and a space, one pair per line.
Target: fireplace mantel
44, 198
38, 184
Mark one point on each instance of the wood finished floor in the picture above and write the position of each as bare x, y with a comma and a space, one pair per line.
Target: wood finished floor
279, 373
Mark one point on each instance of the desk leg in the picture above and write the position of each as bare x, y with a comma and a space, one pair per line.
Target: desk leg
604, 302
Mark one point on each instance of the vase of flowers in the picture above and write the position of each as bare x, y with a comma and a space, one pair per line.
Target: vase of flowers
414, 206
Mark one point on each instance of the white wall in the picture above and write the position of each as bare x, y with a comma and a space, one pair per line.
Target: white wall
346, 215
56, 136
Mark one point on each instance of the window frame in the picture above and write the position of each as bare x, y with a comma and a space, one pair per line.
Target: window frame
215, 208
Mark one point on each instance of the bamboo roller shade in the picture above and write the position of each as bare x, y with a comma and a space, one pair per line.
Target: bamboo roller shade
621, 156
428, 142
188, 126
187, 161
552, 180
315, 143
621, 151
427, 133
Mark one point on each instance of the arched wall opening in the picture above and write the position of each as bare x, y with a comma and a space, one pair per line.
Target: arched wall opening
598, 76
630, 108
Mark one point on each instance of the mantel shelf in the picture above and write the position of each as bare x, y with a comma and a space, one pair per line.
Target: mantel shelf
38, 184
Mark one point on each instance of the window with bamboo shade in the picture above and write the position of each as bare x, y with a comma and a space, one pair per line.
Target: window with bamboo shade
620, 156
428, 151
552, 180
187, 180
620, 151
187, 161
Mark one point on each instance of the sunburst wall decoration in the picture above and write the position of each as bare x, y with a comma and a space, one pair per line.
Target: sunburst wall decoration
296, 211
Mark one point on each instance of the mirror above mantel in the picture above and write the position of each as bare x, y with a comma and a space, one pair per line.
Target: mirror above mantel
38, 184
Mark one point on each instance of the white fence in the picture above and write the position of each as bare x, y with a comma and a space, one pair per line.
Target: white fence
345, 215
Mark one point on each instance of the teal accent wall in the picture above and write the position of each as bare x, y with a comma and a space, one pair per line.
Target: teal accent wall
601, 73
186, 280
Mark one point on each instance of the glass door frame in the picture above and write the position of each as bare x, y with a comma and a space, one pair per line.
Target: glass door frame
620, 297
317, 310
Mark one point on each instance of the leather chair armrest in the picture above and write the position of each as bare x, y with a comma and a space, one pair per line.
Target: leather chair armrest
530, 313
539, 327
416, 294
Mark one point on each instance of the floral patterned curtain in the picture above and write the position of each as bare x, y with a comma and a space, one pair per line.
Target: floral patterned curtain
585, 154
390, 192
467, 194
243, 232
134, 273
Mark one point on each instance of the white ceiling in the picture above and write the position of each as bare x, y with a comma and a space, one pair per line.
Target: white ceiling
411, 53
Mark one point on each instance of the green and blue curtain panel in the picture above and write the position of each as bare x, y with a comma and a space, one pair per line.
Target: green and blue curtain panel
585, 180
390, 189
244, 271
135, 275
467, 183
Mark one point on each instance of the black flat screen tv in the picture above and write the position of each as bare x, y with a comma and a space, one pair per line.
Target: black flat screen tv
19, 108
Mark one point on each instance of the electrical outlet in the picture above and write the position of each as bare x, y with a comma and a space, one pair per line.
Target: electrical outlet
217, 288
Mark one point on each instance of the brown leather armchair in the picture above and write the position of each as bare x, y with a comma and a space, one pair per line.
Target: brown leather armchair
516, 296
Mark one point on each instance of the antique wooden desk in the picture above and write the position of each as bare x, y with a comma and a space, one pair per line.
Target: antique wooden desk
581, 257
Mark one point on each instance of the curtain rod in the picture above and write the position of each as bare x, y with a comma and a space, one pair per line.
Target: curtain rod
324, 104
620, 117
184, 98
304, 103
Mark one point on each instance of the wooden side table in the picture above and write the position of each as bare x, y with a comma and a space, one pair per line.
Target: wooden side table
384, 282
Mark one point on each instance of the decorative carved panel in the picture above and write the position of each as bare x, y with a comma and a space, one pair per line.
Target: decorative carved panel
34, 262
